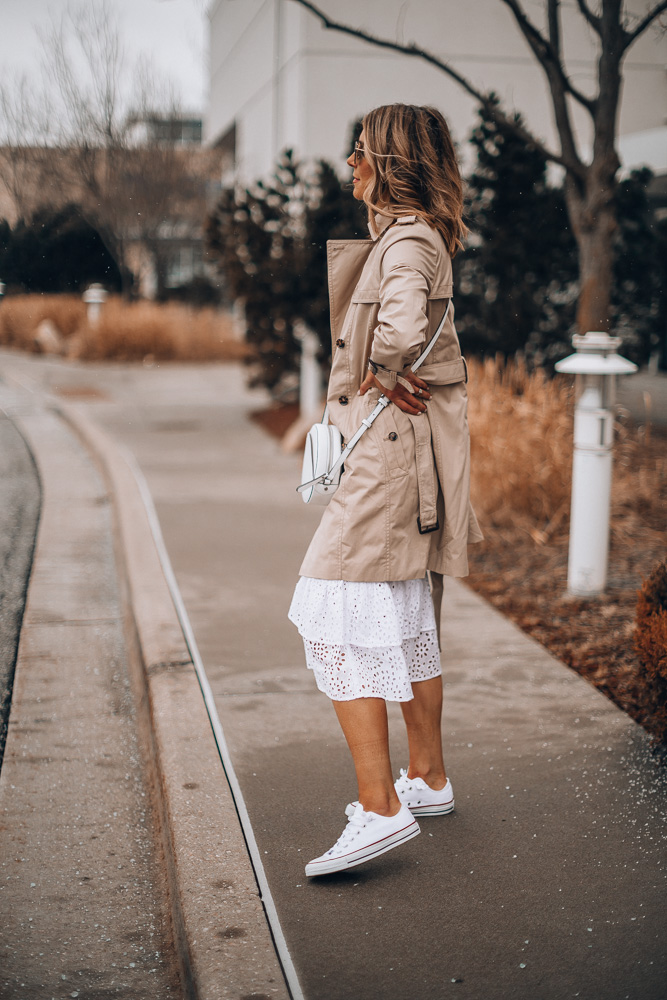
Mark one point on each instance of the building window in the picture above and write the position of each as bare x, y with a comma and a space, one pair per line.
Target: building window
185, 264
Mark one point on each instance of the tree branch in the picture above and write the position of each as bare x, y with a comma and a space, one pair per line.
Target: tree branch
648, 19
554, 27
571, 163
546, 55
592, 19
552, 66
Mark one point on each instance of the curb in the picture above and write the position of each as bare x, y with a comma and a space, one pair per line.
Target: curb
219, 914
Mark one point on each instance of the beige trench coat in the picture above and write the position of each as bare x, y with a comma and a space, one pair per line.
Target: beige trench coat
387, 297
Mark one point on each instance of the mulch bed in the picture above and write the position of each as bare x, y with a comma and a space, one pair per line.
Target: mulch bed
527, 582
276, 419
593, 636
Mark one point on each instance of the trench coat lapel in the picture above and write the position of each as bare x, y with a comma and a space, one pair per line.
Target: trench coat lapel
345, 262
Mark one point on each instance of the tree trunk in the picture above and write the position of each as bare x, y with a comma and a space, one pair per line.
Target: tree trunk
127, 282
591, 199
592, 213
116, 247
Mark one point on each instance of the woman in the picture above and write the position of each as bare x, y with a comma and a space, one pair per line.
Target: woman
362, 604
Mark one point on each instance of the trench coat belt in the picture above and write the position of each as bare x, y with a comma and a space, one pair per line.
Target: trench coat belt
445, 372
427, 480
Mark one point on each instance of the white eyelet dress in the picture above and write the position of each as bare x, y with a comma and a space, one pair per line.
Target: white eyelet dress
367, 640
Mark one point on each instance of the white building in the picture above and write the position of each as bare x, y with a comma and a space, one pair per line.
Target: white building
279, 79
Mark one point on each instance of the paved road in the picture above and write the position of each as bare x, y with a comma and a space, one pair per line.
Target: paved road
644, 396
547, 881
19, 513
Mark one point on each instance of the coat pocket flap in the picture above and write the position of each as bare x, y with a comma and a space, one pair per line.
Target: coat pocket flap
445, 372
372, 295
367, 295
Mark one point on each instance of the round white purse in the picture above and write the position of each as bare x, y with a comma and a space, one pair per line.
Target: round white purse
324, 455
322, 451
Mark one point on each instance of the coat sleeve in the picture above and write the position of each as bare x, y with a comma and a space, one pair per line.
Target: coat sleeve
407, 273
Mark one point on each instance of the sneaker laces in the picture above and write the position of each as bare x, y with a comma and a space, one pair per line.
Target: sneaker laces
358, 819
403, 782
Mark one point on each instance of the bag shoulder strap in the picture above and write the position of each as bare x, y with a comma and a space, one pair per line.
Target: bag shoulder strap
382, 402
432, 342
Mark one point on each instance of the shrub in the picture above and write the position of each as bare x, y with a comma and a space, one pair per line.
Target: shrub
200, 291
650, 641
269, 242
55, 251
516, 283
254, 236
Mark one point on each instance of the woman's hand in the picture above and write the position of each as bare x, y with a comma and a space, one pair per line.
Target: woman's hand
399, 395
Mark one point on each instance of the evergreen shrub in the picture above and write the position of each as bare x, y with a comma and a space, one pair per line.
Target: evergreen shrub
515, 285
269, 241
54, 251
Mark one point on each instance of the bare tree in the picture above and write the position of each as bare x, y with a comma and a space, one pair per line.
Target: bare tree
27, 166
590, 186
165, 199
129, 184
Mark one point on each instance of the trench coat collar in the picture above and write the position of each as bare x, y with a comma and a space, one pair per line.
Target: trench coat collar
381, 222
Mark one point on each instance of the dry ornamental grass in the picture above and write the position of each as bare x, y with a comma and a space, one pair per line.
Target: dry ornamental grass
20, 315
125, 331
521, 432
521, 429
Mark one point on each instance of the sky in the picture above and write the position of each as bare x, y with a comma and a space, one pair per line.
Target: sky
171, 33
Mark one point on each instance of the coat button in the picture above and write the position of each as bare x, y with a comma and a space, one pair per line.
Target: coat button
340, 343
342, 400
392, 435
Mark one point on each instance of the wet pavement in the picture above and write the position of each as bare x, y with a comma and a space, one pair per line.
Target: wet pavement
19, 513
547, 882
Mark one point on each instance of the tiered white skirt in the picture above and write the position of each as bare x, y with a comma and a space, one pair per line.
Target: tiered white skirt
367, 640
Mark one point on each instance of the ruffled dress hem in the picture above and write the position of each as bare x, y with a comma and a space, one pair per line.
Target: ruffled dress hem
367, 640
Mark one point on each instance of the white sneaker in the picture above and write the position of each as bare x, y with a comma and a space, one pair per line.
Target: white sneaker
366, 836
422, 800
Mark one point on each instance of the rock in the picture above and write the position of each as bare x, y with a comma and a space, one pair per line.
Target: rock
48, 338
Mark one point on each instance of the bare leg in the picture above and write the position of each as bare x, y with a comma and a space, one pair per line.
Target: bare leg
437, 581
422, 719
364, 724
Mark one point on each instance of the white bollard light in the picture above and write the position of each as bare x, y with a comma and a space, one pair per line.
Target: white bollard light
95, 296
596, 365
310, 380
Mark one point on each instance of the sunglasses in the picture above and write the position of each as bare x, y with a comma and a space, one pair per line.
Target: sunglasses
358, 153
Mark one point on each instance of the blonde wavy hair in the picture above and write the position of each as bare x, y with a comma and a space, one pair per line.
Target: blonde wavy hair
411, 154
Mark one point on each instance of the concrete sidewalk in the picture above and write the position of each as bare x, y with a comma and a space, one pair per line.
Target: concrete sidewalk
546, 883
124, 866
83, 894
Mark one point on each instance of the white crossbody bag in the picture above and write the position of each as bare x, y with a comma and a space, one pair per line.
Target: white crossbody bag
324, 455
